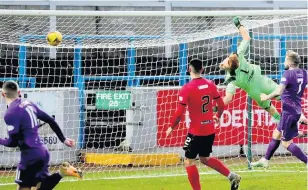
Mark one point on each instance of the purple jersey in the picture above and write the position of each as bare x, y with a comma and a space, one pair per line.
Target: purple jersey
295, 81
21, 118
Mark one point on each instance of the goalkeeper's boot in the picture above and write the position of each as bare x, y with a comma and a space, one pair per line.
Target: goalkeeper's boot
235, 181
261, 163
68, 170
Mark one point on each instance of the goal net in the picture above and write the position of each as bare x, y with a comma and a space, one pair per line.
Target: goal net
113, 84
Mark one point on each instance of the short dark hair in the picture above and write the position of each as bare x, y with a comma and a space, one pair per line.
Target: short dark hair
196, 64
10, 89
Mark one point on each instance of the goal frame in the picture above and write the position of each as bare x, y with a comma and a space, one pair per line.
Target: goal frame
132, 80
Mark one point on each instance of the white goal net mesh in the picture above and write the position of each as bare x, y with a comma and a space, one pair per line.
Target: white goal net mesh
113, 82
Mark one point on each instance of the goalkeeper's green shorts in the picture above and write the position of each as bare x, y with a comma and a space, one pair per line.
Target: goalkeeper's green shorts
261, 84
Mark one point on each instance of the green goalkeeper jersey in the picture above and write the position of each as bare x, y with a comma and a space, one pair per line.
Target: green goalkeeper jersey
242, 76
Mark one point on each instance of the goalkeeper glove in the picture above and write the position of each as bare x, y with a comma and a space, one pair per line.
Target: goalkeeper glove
236, 21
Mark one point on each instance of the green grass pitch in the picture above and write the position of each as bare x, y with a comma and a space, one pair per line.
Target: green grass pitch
260, 179
250, 181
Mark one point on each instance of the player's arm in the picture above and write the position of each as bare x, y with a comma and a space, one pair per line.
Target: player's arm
219, 101
278, 91
176, 118
177, 115
221, 106
230, 91
13, 130
52, 123
245, 35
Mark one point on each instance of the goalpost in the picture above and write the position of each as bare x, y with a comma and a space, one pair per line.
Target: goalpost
113, 82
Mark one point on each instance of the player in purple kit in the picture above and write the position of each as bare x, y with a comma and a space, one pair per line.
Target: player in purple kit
291, 89
21, 119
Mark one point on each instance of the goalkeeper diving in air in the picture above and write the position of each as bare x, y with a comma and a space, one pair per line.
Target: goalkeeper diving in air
248, 76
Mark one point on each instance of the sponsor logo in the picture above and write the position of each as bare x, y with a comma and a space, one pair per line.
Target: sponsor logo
206, 122
203, 87
237, 118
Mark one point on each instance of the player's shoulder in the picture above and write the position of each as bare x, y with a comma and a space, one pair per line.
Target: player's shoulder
186, 86
287, 73
305, 72
13, 111
210, 83
25, 103
10, 115
203, 83
14, 106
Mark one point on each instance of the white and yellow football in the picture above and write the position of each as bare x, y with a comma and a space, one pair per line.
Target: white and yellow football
54, 38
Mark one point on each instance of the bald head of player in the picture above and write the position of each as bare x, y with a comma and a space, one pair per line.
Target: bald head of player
292, 60
10, 91
195, 68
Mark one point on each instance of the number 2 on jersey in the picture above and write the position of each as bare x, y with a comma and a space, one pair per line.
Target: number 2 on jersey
206, 100
300, 81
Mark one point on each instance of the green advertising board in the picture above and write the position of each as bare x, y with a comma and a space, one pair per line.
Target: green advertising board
113, 100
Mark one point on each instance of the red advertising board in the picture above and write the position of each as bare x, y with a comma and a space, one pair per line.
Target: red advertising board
233, 129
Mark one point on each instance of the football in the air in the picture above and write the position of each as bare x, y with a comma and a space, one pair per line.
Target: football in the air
54, 38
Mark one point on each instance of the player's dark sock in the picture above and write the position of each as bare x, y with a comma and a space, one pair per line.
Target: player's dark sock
272, 147
296, 151
193, 177
218, 166
50, 182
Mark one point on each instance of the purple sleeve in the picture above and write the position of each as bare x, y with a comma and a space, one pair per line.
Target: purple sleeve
284, 79
51, 121
12, 123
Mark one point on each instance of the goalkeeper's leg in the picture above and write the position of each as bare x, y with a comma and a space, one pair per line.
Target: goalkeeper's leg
268, 86
263, 84
267, 105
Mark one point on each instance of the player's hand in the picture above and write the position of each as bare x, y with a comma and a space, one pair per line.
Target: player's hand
216, 121
263, 97
69, 142
169, 131
237, 22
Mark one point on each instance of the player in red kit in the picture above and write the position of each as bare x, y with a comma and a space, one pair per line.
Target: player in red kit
198, 96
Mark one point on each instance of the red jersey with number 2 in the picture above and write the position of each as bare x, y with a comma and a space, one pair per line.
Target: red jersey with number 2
198, 95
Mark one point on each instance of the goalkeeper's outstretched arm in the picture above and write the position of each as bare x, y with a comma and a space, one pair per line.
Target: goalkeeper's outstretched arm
230, 91
228, 98
244, 33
